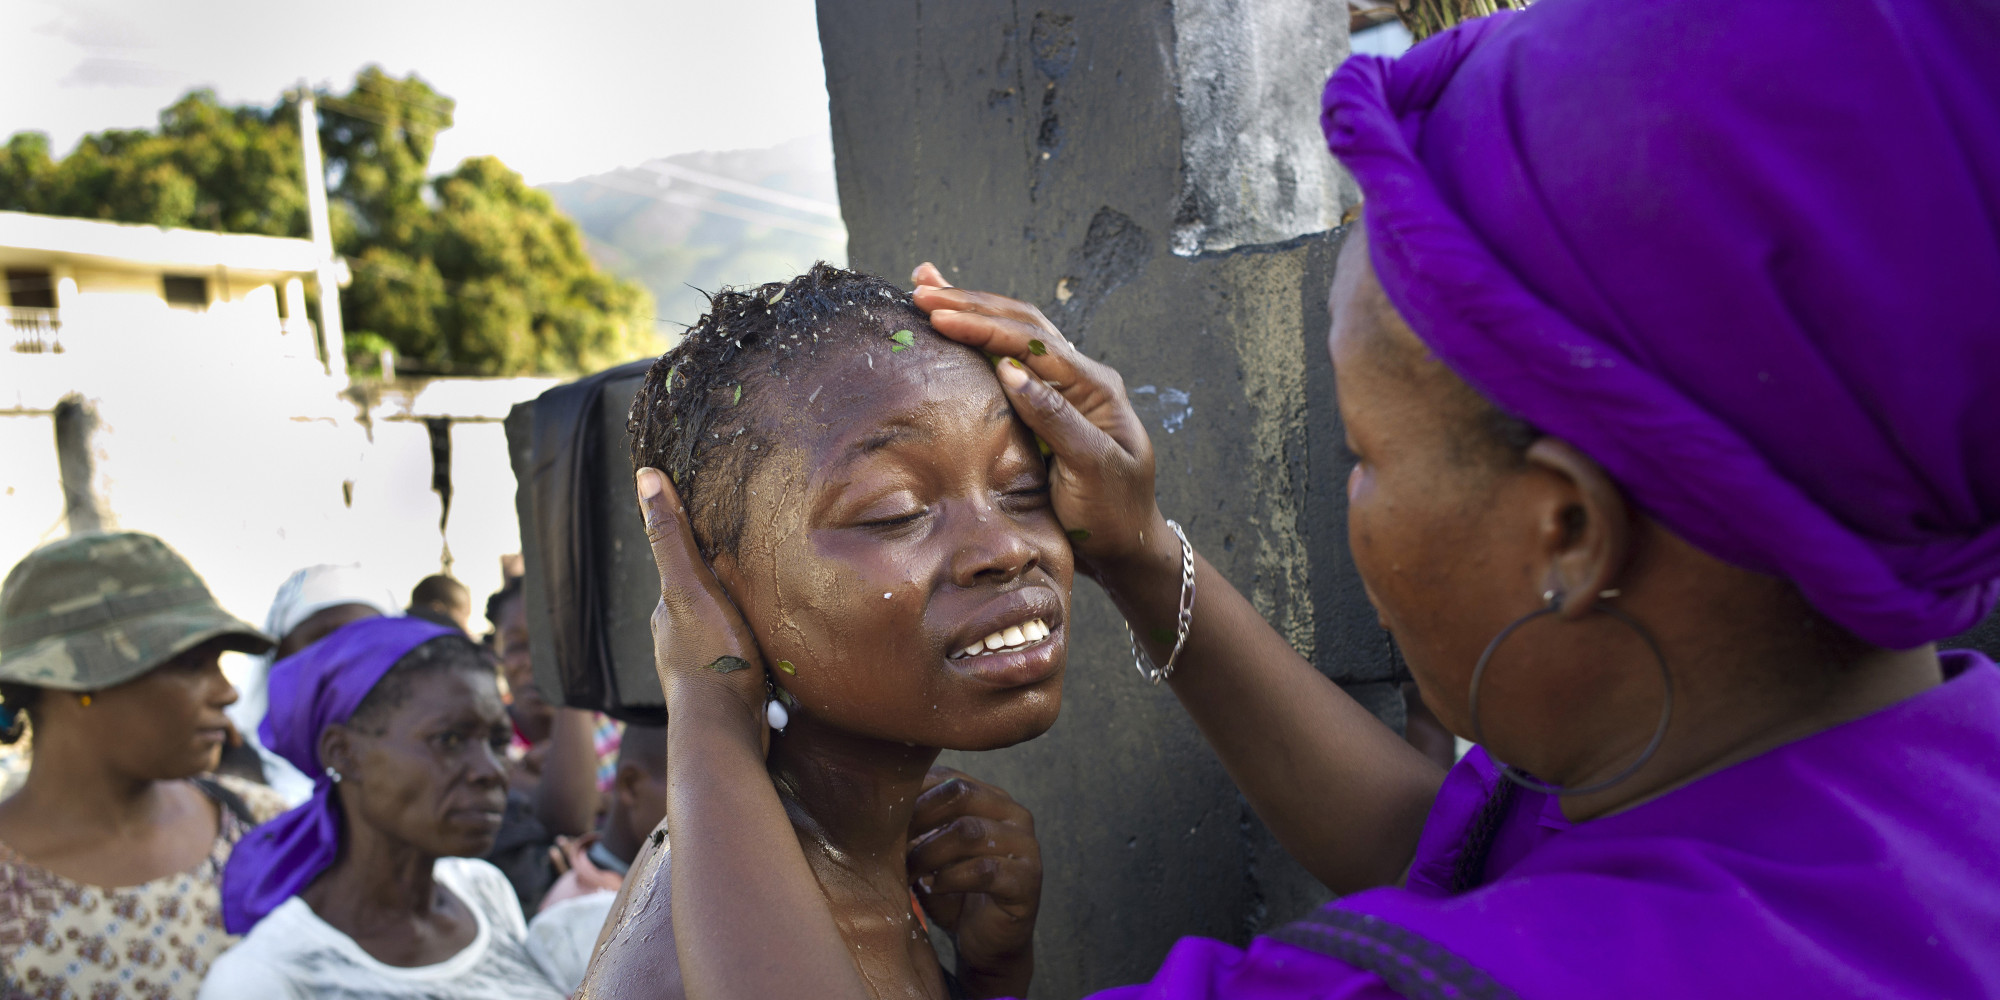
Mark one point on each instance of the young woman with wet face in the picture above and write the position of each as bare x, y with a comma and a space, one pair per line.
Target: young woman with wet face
373, 887
882, 522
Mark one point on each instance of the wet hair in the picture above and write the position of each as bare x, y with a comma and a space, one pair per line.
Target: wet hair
16, 701
446, 652
693, 417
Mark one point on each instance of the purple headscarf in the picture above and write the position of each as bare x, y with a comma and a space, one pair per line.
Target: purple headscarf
1750, 267
310, 690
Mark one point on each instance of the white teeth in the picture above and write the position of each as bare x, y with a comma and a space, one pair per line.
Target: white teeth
1011, 637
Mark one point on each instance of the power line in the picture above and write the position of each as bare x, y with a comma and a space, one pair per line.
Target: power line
733, 186
709, 204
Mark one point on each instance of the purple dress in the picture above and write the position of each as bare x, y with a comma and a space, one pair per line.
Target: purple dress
1743, 254
1860, 861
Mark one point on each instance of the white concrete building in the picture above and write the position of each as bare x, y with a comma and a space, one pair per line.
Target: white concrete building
222, 430
92, 286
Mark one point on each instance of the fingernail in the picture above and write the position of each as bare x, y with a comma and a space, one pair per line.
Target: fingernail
1012, 375
938, 313
650, 484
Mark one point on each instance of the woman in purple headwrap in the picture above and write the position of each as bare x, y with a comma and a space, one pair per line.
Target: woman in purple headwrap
373, 887
1666, 350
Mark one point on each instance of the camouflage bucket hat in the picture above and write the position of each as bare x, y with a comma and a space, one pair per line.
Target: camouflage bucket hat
93, 611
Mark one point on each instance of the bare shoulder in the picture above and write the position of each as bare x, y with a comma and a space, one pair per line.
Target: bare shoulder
635, 952
263, 803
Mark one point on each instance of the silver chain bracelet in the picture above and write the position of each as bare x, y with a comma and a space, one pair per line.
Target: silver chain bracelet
1139, 657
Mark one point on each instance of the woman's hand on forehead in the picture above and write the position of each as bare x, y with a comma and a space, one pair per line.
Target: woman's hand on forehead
701, 644
1101, 476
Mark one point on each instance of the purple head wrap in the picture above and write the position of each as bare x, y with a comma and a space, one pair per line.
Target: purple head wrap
310, 690
1748, 265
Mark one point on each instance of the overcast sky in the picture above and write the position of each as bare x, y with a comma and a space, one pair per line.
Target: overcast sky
555, 89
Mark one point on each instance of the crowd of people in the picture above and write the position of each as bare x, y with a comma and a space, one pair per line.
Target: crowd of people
370, 814
1674, 463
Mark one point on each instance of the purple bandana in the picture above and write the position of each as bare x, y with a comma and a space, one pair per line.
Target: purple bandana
1747, 265
310, 690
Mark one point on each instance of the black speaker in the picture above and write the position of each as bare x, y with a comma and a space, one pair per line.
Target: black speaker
591, 586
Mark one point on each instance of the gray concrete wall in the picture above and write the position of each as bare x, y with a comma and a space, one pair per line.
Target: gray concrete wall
1063, 155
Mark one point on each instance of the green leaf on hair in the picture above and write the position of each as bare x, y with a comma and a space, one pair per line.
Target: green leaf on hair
1037, 348
1079, 534
671, 372
774, 299
786, 666
903, 339
738, 398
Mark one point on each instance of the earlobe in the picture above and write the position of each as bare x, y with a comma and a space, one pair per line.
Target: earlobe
1592, 527
333, 749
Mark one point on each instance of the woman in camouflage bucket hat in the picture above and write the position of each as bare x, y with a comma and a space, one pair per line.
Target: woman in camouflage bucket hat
112, 850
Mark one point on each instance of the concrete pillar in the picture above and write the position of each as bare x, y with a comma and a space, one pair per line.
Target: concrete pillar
77, 428
1152, 176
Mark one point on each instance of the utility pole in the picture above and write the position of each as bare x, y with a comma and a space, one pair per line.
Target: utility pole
333, 337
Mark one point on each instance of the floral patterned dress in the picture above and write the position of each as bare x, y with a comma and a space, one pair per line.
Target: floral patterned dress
63, 940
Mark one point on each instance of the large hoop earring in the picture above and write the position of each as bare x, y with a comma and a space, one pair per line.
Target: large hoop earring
1521, 778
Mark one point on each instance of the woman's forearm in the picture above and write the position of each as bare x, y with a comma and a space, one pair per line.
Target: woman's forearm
1342, 792
749, 919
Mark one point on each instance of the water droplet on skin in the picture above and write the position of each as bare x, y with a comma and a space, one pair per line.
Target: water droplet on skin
887, 596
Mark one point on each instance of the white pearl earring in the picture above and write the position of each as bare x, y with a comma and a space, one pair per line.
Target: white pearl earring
775, 714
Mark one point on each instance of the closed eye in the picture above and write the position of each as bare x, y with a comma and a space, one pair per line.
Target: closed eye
897, 522
1035, 494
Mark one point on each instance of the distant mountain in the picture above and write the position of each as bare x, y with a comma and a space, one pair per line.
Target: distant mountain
706, 220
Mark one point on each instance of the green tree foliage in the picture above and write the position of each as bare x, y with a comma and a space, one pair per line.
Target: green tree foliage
471, 272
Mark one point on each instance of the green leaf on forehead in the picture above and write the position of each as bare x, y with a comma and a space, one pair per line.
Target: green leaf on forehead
1043, 447
738, 398
1037, 348
1079, 534
786, 666
729, 664
903, 339
1163, 636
